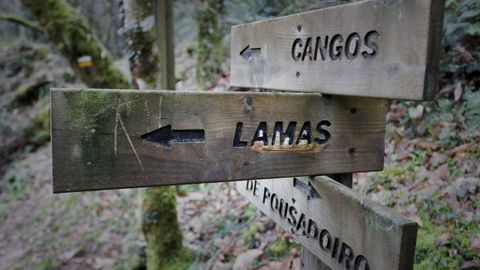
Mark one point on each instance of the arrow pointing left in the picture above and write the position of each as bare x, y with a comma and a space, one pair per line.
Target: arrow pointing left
165, 136
248, 52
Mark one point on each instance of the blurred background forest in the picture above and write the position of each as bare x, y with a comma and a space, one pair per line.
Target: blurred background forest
431, 175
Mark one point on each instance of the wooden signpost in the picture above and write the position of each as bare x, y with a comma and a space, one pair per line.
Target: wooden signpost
343, 229
375, 48
104, 139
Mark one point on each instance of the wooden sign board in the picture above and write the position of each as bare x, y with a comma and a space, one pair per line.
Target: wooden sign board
105, 139
343, 229
374, 48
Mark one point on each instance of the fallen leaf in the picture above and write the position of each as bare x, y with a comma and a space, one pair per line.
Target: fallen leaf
101, 263
417, 112
66, 256
272, 266
470, 264
246, 259
416, 218
475, 244
421, 129
427, 145
444, 239
442, 172
438, 158
462, 148
457, 93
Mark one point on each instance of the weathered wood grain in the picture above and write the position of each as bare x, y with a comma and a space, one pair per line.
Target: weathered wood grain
345, 230
404, 65
97, 137
308, 260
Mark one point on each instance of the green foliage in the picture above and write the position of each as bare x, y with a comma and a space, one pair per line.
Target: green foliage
39, 131
16, 179
461, 39
250, 212
250, 233
160, 227
444, 247
278, 248
461, 22
46, 264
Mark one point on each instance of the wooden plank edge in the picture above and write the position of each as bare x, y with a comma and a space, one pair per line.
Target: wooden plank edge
435, 32
298, 14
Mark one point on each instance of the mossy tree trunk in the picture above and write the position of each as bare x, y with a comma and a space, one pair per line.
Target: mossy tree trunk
209, 51
72, 35
147, 58
139, 30
160, 227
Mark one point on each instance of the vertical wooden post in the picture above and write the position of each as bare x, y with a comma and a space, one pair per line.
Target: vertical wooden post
160, 221
164, 22
308, 261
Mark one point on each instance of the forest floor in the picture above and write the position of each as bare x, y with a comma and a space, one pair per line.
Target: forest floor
431, 175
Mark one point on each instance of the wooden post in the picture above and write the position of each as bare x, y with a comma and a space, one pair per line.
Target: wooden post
308, 261
164, 22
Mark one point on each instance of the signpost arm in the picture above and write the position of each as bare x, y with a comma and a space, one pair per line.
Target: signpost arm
308, 261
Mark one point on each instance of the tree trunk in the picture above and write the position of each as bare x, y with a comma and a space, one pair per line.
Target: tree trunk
139, 30
151, 65
160, 226
209, 51
72, 35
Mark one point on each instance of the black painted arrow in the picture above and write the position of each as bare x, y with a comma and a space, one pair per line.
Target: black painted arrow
165, 136
311, 192
248, 52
